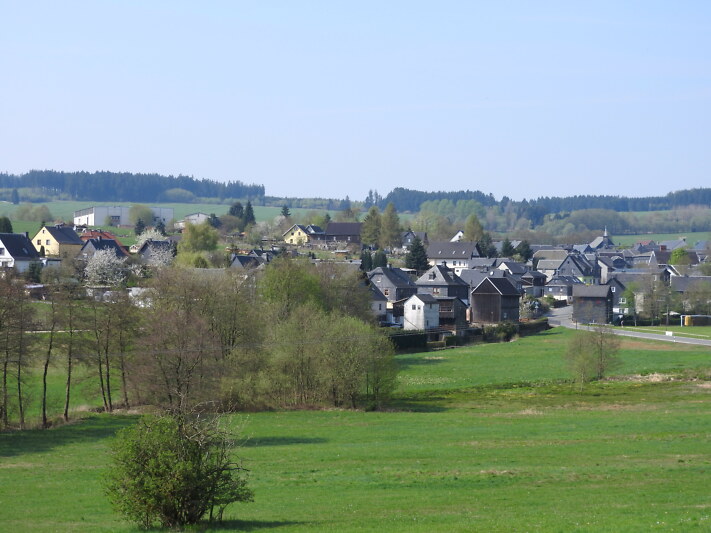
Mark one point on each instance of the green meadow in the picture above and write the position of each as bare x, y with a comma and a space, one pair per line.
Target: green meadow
480, 438
64, 210
691, 237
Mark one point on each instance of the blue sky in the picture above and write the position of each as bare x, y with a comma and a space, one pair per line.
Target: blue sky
335, 98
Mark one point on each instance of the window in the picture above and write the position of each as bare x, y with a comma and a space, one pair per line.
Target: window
435, 290
613, 289
414, 307
386, 292
47, 242
39, 242
623, 300
2, 251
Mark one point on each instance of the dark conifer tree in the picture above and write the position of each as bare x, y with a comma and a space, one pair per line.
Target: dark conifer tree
380, 259
140, 227
249, 215
236, 210
5, 225
366, 261
507, 249
524, 250
416, 257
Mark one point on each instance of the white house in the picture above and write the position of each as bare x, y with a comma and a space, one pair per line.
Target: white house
421, 312
193, 218
16, 251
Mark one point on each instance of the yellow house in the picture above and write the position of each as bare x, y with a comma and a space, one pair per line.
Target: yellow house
58, 241
296, 234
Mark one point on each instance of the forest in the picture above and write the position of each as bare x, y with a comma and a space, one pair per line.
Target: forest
44, 185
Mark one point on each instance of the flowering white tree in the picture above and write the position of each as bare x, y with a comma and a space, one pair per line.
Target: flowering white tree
104, 268
149, 235
160, 256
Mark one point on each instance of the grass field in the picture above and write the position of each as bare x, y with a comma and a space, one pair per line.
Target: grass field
482, 438
691, 237
64, 210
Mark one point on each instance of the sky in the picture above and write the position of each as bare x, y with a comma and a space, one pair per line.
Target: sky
329, 99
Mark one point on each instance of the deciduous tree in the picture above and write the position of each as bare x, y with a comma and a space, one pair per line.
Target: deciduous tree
173, 470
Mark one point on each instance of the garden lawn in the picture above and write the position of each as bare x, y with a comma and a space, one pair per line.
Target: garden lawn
497, 442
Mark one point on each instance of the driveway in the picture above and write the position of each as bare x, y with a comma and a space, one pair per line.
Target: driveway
563, 316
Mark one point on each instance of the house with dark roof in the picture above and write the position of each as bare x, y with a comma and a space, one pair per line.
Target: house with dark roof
91, 246
455, 255
620, 306
378, 302
561, 288
453, 314
440, 281
408, 237
59, 241
153, 251
394, 283
494, 300
592, 304
512, 267
534, 283
244, 262
603, 242
341, 232
101, 234
579, 266
17, 251
296, 234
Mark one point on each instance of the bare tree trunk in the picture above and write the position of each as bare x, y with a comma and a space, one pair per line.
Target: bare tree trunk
70, 362
47, 359
5, 364
68, 388
107, 346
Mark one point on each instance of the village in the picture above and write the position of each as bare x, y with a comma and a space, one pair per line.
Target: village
442, 288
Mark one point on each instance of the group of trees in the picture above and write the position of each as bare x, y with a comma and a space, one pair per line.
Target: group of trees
33, 213
382, 230
238, 218
297, 335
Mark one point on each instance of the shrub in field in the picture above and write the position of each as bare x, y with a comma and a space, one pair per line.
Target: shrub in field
591, 354
500, 332
173, 470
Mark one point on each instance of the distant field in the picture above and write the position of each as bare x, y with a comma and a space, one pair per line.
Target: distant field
691, 237
482, 438
64, 210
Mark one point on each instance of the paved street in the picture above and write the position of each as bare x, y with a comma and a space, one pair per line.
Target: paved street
564, 317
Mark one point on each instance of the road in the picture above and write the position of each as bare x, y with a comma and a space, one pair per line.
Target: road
563, 316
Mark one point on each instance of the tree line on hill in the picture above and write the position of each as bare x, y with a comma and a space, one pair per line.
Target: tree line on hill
535, 209
122, 187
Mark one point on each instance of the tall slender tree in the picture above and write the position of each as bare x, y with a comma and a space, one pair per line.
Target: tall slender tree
390, 229
370, 231
249, 218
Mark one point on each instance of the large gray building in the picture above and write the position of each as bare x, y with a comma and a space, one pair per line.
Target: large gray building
117, 215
